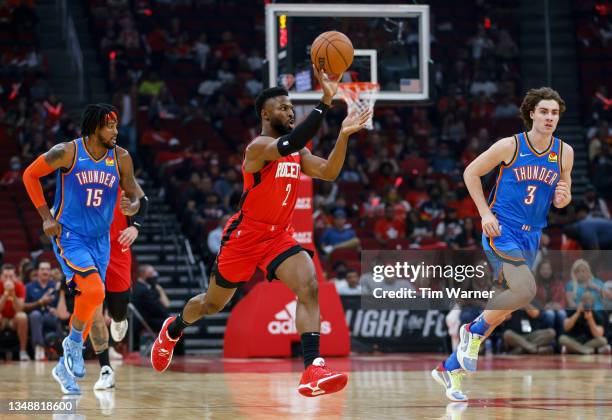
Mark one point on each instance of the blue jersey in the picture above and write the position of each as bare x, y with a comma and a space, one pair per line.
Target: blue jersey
525, 186
86, 193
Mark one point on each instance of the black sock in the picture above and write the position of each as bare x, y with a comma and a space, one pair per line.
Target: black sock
103, 358
310, 347
176, 327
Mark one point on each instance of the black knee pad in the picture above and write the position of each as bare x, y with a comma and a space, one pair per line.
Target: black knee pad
117, 304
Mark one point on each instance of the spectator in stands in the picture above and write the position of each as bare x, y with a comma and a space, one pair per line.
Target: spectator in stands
584, 331
482, 85
506, 108
582, 280
12, 296
550, 295
506, 48
597, 206
433, 209
449, 228
150, 87
12, 174
592, 233
1, 253
417, 228
350, 285
163, 106
599, 135
523, 332
214, 236
42, 296
149, 298
469, 238
482, 108
453, 129
125, 100
339, 235
353, 172
481, 44
201, 49
389, 228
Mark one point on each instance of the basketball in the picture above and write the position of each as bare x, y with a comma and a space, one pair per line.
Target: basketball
333, 52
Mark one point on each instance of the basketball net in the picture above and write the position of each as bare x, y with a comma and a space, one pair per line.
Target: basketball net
359, 97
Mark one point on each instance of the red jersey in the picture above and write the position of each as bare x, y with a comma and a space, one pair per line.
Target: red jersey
269, 195
8, 311
119, 220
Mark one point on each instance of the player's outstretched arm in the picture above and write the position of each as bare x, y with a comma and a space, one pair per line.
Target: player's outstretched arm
329, 169
502, 151
132, 196
59, 156
265, 148
563, 190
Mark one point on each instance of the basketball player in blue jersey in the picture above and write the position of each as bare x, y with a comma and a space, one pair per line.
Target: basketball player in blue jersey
534, 172
89, 172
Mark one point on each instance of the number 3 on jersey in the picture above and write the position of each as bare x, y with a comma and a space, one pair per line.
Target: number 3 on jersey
94, 197
531, 189
288, 189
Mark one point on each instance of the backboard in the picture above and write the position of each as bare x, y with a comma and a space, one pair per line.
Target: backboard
391, 44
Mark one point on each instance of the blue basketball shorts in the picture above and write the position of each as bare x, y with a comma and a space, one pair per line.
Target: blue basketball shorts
78, 254
513, 246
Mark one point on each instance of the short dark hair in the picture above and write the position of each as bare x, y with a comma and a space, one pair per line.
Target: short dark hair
97, 115
266, 94
533, 97
7, 267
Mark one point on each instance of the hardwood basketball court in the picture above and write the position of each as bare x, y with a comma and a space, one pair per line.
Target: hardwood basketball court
391, 386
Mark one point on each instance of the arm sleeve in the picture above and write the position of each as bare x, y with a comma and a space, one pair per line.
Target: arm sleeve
31, 180
300, 135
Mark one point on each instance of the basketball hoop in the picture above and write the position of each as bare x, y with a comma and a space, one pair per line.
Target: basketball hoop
359, 96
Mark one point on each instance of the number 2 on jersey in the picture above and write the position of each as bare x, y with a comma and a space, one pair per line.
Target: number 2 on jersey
531, 189
94, 197
288, 189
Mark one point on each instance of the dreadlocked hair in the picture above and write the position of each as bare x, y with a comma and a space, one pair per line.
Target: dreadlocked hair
97, 115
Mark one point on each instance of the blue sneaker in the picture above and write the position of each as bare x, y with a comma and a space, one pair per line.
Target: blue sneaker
73, 358
67, 382
467, 350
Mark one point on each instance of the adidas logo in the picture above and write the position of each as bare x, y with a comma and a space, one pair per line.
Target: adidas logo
284, 321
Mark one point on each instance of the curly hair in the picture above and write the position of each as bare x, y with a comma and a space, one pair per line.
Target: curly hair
533, 97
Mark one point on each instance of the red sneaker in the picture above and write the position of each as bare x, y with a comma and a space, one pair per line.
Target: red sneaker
163, 347
318, 379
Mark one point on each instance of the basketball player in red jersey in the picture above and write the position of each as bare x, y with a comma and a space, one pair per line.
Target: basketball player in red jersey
118, 282
260, 233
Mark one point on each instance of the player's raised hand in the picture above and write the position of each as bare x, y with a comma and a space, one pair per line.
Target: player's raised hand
330, 87
125, 204
128, 236
490, 225
52, 227
562, 193
355, 122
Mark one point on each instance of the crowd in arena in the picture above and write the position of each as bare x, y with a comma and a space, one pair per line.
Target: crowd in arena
185, 85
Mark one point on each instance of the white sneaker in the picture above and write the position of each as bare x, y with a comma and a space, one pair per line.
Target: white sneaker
106, 399
114, 354
106, 380
451, 381
39, 353
118, 330
23, 356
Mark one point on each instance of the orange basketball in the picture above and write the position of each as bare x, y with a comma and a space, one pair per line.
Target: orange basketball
333, 52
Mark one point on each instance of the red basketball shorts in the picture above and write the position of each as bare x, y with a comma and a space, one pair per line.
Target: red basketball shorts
247, 245
119, 271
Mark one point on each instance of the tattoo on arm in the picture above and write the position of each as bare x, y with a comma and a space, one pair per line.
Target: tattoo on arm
55, 154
